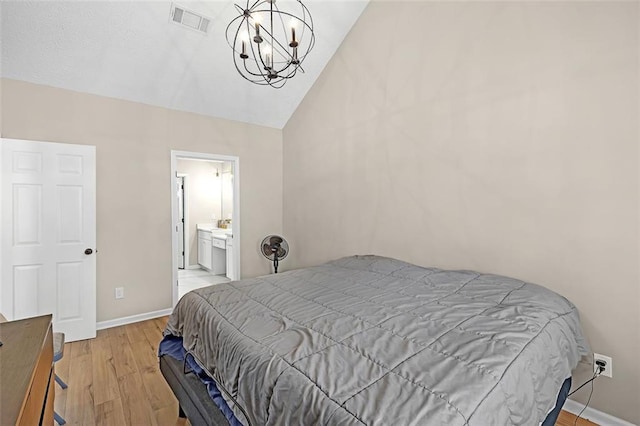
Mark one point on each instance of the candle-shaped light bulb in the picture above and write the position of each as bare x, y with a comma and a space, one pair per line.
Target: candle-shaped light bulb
256, 24
293, 42
267, 57
244, 38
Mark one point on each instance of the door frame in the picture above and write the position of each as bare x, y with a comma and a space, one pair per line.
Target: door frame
235, 217
185, 211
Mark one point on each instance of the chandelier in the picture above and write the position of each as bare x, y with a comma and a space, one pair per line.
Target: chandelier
270, 40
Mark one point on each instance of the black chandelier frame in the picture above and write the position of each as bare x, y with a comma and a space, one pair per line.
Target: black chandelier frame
264, 58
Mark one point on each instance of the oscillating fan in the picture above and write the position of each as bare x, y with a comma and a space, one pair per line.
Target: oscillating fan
275, 248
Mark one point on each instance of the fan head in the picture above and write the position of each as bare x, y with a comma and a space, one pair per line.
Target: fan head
273, 244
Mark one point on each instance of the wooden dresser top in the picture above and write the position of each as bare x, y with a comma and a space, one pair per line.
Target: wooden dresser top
22, 342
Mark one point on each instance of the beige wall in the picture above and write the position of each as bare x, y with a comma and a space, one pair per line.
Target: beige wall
133, 144
501, 137
204, 199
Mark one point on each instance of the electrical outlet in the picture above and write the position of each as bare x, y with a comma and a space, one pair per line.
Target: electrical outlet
119, 292
608, 368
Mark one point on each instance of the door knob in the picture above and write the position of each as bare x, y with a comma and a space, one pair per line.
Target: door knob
88, 251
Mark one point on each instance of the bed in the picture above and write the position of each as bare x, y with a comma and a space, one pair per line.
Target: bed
374, 341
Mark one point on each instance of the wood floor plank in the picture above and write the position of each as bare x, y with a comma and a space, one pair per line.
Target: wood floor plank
567, 419
135, 403
80, 407
158, 392
168, 416
110, 413
161, 322
145, 352
102, 333
123, 359
120, 330
145, 356
134, 332
153, 336
104, 371
79, 348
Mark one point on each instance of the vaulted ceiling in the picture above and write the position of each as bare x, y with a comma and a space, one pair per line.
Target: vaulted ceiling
130, 50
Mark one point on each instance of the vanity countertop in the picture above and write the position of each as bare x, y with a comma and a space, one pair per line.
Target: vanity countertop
216, 232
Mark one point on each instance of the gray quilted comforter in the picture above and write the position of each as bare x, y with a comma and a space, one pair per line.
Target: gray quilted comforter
376, 341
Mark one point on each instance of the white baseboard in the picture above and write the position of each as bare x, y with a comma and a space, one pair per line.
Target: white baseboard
133, 318
596, 416
193, 267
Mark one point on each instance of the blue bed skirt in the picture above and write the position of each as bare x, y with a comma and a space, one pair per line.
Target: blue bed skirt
172, 346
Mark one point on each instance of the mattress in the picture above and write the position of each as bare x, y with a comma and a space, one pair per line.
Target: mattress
372, 340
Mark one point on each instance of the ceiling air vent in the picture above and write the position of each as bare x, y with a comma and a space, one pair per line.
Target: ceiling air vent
189, 19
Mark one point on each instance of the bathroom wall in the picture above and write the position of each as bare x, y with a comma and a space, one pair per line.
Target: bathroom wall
203, 200
227, 190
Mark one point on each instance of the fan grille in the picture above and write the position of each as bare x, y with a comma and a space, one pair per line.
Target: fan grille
274, 248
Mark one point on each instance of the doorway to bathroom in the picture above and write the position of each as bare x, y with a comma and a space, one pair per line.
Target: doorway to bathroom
205, 223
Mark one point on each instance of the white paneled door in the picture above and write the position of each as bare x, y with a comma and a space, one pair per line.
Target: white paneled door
49, 234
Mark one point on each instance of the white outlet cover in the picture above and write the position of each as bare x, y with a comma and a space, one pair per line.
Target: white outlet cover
608, 370
119, 292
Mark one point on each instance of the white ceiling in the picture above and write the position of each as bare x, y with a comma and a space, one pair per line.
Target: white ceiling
129, 50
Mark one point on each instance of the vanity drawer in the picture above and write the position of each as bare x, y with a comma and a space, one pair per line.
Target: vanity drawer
205, 235
218, 242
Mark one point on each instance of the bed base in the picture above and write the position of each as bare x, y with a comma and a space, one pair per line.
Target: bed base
193, 399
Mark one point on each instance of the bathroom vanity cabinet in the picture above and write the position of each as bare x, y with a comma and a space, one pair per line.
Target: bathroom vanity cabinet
204, 249
230, 259
212, 251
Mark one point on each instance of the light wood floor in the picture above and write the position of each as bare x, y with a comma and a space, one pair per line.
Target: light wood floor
568, 419
114, 379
